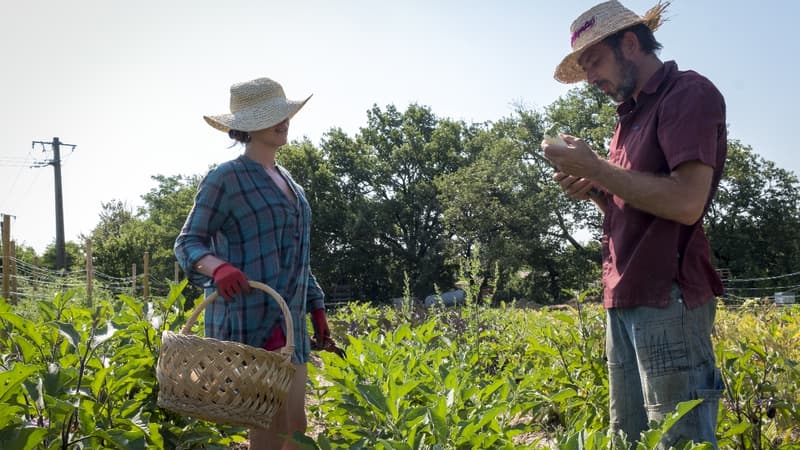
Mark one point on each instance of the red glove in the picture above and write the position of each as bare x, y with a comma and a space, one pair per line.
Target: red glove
230, 281
276, 340
322, 332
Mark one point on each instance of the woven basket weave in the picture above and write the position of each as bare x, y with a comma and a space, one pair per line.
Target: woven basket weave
222, 381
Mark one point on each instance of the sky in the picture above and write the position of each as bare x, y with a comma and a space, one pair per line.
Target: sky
127, 83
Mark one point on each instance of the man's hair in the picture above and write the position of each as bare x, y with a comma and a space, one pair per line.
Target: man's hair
647, 41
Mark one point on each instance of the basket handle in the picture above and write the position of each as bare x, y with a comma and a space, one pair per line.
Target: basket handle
288, 349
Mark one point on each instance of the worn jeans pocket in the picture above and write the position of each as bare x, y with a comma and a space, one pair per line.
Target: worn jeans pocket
699, 424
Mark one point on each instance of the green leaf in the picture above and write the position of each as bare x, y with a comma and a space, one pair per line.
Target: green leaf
11, 380
492, 388
652, 436
10, 414
47, 310
70, 333
22, 438
98, 382
155, 434
175, 293
374, 397
57, 378
35, 389
681, 410
133, 304
124, 439
564, 317
544, 349
27, 350
103, 334
394, 445
563, 395
397, 393
411, 418
470, 429
24, 326
737, 429
437, 416
304, 442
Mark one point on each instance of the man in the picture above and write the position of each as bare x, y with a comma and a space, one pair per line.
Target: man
664, 166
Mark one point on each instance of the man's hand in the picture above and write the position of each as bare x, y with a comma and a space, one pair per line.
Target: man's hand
230, 281
574, 154
575, 158
575, 187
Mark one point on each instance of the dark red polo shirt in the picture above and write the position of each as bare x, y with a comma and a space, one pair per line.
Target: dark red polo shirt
679, 116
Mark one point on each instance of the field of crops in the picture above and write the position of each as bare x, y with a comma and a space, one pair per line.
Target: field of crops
80, 376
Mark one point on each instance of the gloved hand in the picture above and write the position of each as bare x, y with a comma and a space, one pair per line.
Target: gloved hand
322, 332
276, 340
230, 281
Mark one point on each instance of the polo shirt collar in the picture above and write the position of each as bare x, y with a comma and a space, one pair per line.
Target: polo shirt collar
651, 87
666, 71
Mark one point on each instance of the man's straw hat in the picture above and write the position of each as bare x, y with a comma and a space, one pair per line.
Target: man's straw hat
256, 105
595, 25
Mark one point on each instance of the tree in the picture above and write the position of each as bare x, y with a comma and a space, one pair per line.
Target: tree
110, 255
506, 203
311, 170
26, 254
412, 194
163, 214
75, 256
392, 223
754, 221
122, 237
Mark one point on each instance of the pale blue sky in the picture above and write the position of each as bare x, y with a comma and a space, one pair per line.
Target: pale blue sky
128, 82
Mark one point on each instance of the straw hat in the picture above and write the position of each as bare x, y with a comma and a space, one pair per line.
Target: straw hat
595, 25
256, 105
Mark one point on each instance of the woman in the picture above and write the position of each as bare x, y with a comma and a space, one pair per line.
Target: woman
250, 220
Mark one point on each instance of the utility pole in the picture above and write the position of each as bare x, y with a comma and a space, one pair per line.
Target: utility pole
6, 254
61, 254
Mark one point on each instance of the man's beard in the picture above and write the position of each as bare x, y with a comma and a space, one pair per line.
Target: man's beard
627, 76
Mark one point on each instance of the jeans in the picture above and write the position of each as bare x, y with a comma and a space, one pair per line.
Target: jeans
658, 358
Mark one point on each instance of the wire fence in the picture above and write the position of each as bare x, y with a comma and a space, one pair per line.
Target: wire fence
780, 289
28, 280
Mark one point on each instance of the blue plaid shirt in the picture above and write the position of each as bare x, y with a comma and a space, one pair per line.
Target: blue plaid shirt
241, 216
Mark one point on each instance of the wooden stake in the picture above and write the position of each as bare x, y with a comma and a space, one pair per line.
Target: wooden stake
13, 270
89, 271
146, 276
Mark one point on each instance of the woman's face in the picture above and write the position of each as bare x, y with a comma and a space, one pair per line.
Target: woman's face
274, 136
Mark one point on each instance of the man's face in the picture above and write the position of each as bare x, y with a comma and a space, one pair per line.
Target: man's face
610, 71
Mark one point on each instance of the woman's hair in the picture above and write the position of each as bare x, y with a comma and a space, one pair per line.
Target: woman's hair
645, 36
241, 137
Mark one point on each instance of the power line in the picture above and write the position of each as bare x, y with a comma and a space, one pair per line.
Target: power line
22, 163
8, 161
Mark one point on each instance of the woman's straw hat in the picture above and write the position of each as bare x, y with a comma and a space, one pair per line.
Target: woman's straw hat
256, 105
595, 25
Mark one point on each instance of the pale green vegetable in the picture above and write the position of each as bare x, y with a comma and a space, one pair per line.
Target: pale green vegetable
553, 140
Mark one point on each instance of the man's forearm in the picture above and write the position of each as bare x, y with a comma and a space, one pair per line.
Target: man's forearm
679, 196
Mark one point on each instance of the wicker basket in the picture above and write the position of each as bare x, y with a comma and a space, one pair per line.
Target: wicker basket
222, 381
